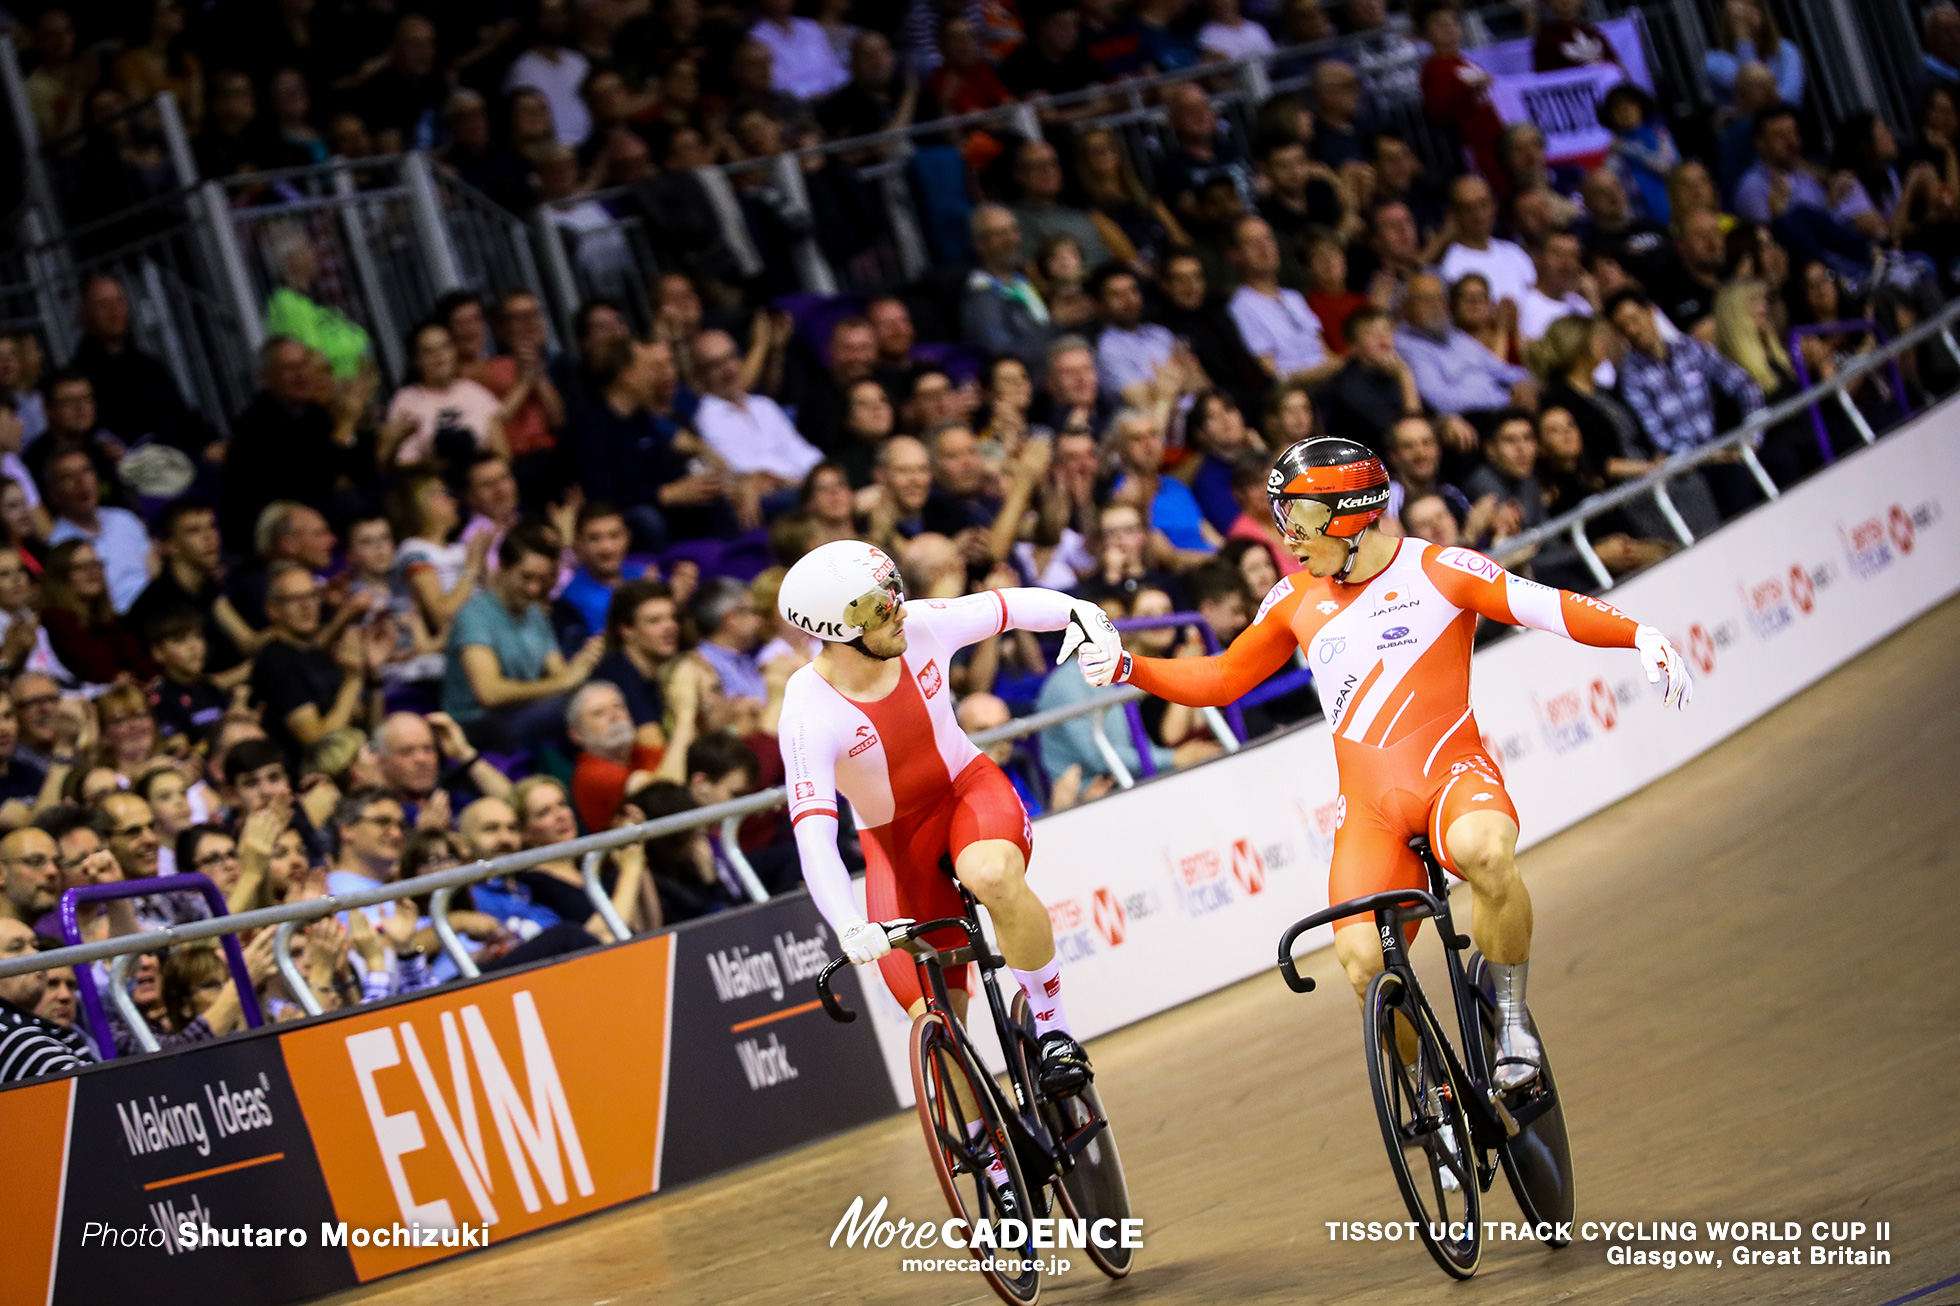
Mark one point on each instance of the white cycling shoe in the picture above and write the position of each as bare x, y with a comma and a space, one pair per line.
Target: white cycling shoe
1519, 1057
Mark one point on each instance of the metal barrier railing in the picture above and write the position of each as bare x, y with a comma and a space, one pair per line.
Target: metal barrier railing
1742, 440
448, 881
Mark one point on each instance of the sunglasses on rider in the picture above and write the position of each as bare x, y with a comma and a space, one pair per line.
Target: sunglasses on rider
1300, 520
875, 607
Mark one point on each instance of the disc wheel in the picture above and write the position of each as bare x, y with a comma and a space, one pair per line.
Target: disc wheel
1424, 1125
1538, 1160
964, 1136
1094, 1187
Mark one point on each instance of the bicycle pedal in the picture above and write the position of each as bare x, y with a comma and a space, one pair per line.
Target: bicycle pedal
1503, 1113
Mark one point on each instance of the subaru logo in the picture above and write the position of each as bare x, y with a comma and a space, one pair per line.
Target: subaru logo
1395, 632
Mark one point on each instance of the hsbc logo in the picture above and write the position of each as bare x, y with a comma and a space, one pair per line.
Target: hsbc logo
1107, 912
1604, 709
1803, 591
1248, 868
930, 682
1701, 648
1899, 526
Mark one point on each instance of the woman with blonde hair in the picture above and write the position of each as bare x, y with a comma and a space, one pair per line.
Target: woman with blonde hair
128, 730
1136, 227
1745, 333
545, 817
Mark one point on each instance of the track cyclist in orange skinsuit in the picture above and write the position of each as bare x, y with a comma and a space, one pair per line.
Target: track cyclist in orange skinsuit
1386, 625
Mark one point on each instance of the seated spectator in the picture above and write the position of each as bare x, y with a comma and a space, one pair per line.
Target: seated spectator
626, 447
825, 498
1507, 269
1168, 503
135, 395
1002, 312
1275, 322
1569, 479
730, 633
1472, 313
965, 82
821, 393
1138, 227
24, 784
1071, 400
1216, 428
681, 866
83, 629
1254, 524
599, 542
869, 420
1190, 313
306, 691
748, 432
1671, 388
1131, 556
1781, 192
1376, 386
1051, 61
1454, 373
533, 410
1303, 196
31, 1047
1129, 351
962, 495
442, 416
1414, 456
287, 446
1039, 212
1561, 289
60, 1004
1745, 34
46, 728
431, 579
116, 535
895, 368
1684, 280
545, 818
505, 679
24, 643
187, 536
1328, 294
1430, 518
1198, 153
429, 767
802, 59
613, 756
1510, 452
894, 506
291, 314
1230, 35
550, 66
1643, 153
1338, 136
73, 425
127, 729
1072, 743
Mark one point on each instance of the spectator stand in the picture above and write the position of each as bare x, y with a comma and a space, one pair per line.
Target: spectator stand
1519, 548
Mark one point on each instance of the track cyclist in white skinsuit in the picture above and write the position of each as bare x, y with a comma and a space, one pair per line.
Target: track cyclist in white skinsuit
872, 718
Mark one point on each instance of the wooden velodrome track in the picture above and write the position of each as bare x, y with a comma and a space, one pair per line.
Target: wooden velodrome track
1749, 979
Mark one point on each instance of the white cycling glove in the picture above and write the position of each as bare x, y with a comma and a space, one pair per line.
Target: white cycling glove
1661, 658
865, 941
1090, 635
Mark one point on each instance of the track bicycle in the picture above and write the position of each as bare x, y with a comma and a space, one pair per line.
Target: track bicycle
1057, 1152
1447, 1129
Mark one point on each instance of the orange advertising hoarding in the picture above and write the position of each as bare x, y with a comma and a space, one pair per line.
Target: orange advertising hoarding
490, 1111
34, 1121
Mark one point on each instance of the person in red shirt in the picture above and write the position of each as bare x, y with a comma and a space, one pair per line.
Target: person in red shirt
614, 759
1456, 92
1328, 294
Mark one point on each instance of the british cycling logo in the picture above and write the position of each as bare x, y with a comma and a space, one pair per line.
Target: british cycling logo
1877, 542
1767, 608
1564, 720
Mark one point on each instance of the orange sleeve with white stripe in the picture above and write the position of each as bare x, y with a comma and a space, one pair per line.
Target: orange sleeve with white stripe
1473, 582
1261, 649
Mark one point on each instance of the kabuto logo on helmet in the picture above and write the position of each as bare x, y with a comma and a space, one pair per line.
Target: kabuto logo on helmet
1369, 500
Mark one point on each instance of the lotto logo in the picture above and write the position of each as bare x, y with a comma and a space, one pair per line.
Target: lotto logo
929, 679
1248, 868
1110, 920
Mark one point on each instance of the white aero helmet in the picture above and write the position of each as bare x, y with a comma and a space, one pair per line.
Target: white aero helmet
836, 589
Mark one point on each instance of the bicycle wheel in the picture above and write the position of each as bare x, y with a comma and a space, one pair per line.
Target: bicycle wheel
1423, 1124
963, 1141
1094, 1188
1538, 1161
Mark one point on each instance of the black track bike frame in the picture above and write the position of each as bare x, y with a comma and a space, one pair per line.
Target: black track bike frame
1491, 1122
1043, 1157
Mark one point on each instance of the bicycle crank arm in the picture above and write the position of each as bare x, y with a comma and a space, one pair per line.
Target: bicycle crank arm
1502, 1112
1081, 1138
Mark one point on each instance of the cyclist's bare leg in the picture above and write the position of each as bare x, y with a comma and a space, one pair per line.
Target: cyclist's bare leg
996, 873
1360, 951
1483, 846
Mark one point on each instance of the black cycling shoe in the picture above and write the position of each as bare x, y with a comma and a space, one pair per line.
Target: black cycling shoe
1064, 1068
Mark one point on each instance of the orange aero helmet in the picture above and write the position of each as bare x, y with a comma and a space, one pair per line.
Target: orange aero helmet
1327, 486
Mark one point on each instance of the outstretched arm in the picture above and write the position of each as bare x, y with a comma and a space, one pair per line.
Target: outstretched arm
1261, 649
1472, 581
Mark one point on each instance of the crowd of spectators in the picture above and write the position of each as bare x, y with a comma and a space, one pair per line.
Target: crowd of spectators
532, 591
